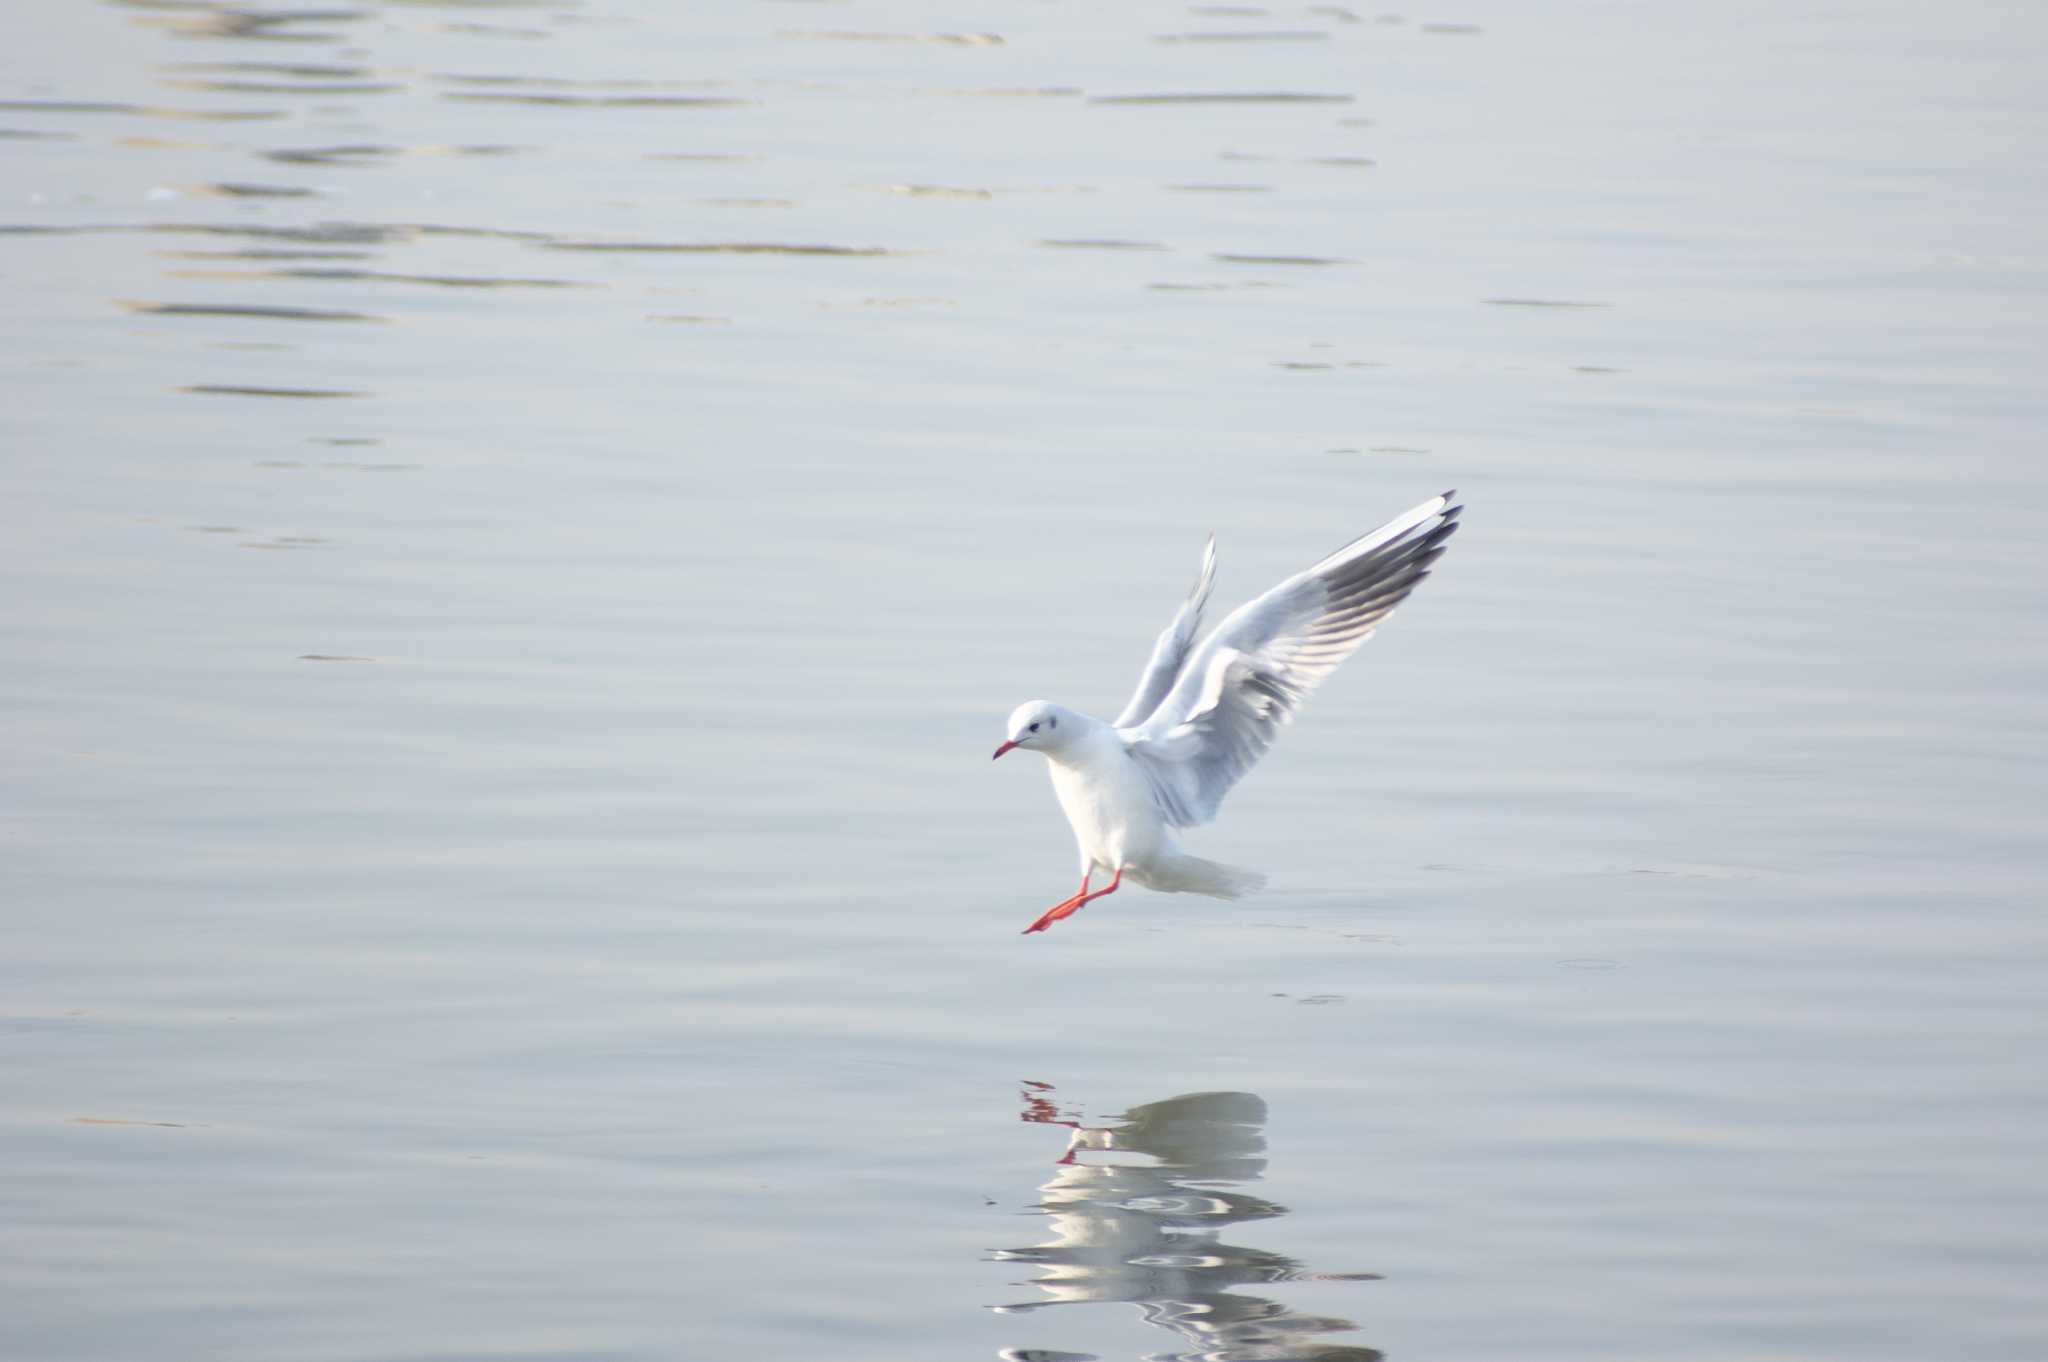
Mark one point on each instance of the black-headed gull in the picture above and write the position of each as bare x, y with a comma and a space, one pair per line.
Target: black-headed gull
1205, 713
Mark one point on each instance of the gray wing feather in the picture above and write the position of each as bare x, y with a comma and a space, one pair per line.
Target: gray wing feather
1252, 674
1163, 668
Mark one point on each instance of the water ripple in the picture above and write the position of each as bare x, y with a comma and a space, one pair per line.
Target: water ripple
1277, 35
85, 106
1102, 244
460, 281
246, 390
246, 310
1224, 97
276, 26
596, 101
1232, 258
841, 35
719, 248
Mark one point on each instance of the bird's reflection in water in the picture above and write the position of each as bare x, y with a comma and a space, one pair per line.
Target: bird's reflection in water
1150, 1233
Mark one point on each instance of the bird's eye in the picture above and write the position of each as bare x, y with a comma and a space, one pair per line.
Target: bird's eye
1034, 728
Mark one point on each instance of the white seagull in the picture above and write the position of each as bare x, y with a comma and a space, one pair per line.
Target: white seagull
1205, 713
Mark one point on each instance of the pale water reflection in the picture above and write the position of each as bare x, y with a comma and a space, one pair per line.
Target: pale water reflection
1137, 1208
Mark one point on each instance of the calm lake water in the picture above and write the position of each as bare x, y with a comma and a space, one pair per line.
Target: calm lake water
527, 519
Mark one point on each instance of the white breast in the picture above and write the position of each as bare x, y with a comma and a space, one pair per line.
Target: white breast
1106, 799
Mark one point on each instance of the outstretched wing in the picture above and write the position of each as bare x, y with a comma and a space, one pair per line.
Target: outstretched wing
1172, 649
1252, 674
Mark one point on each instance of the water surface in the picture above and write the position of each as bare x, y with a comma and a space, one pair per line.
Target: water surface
527, 519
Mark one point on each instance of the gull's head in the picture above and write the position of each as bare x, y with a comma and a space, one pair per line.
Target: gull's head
1040, 726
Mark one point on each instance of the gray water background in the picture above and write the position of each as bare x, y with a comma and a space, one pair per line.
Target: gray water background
501, 858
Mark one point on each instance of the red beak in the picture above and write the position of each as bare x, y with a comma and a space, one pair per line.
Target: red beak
1004, 748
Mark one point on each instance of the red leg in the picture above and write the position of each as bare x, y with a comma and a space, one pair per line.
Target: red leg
1053, 914
1075, 904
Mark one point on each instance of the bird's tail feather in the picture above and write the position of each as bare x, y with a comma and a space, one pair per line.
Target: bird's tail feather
1193, 875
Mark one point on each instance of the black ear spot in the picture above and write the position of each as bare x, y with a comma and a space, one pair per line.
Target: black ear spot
1054, 721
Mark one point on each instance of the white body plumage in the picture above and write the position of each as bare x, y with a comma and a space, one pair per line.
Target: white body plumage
1118, 824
